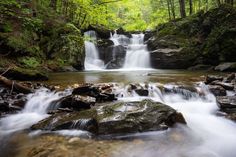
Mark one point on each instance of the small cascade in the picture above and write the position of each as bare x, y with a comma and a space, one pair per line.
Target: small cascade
119, 39
34, 111
92, 61
137, 55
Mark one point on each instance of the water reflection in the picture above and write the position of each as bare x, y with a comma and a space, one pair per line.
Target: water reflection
162, 76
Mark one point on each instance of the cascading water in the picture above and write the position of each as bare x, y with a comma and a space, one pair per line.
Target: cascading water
206, 135
34, 111
137, 55
92, 61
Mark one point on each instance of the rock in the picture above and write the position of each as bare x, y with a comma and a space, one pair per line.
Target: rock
90, 125
26, 74
201, 67
187, 92
226, 86
217, 90
95, 92
171, 58
230, 78
226, 102
142, 92
4, 106
101, 31
148, 35
118, 118
86, 90
230, 66
123, 32
74, 102
231, 116
211, 78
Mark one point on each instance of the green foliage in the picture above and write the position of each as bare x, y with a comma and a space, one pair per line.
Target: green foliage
29, 62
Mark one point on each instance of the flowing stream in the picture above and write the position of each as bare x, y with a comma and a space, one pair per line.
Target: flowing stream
207, 135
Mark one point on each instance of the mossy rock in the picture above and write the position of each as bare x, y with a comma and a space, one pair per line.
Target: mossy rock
118, 118
23, 74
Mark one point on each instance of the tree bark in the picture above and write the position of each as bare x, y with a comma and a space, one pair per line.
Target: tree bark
172, 4
182, 8
190, 7
14, 85
168, 6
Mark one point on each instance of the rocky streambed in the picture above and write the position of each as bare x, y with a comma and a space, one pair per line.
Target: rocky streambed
115, 119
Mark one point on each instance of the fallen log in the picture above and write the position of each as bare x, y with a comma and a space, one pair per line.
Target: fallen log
14, 86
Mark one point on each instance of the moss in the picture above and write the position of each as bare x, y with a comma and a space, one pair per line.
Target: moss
29, 62
24, 74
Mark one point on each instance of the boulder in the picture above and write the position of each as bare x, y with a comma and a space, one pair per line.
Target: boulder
230, 78
101, 31
123, 32
73, 102
225, 102
226, 86
211, 78
171, 58
117, 118
217, 90
142, 92
94, 91
230, 66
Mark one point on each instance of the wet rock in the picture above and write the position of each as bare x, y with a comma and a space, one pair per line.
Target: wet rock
226, 86
123, 32
93, 91
90, 125
187, 92
211, 78
76, 102
101, 31
230, 66
118, 118
226, 102
86, 90
142, 92
230, 78
4, 106
217, 90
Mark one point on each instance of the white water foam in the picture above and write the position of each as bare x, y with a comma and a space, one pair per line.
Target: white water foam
34, 111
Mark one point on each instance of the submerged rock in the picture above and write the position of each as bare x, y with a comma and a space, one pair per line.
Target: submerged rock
118, 118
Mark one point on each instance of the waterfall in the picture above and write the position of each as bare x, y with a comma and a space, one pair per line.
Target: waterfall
137, 55
92, 61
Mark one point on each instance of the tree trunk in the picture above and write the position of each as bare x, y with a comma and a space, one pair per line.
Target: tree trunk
53, 4
182, 8
172, 4
168, 5
190, 7
14, 85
